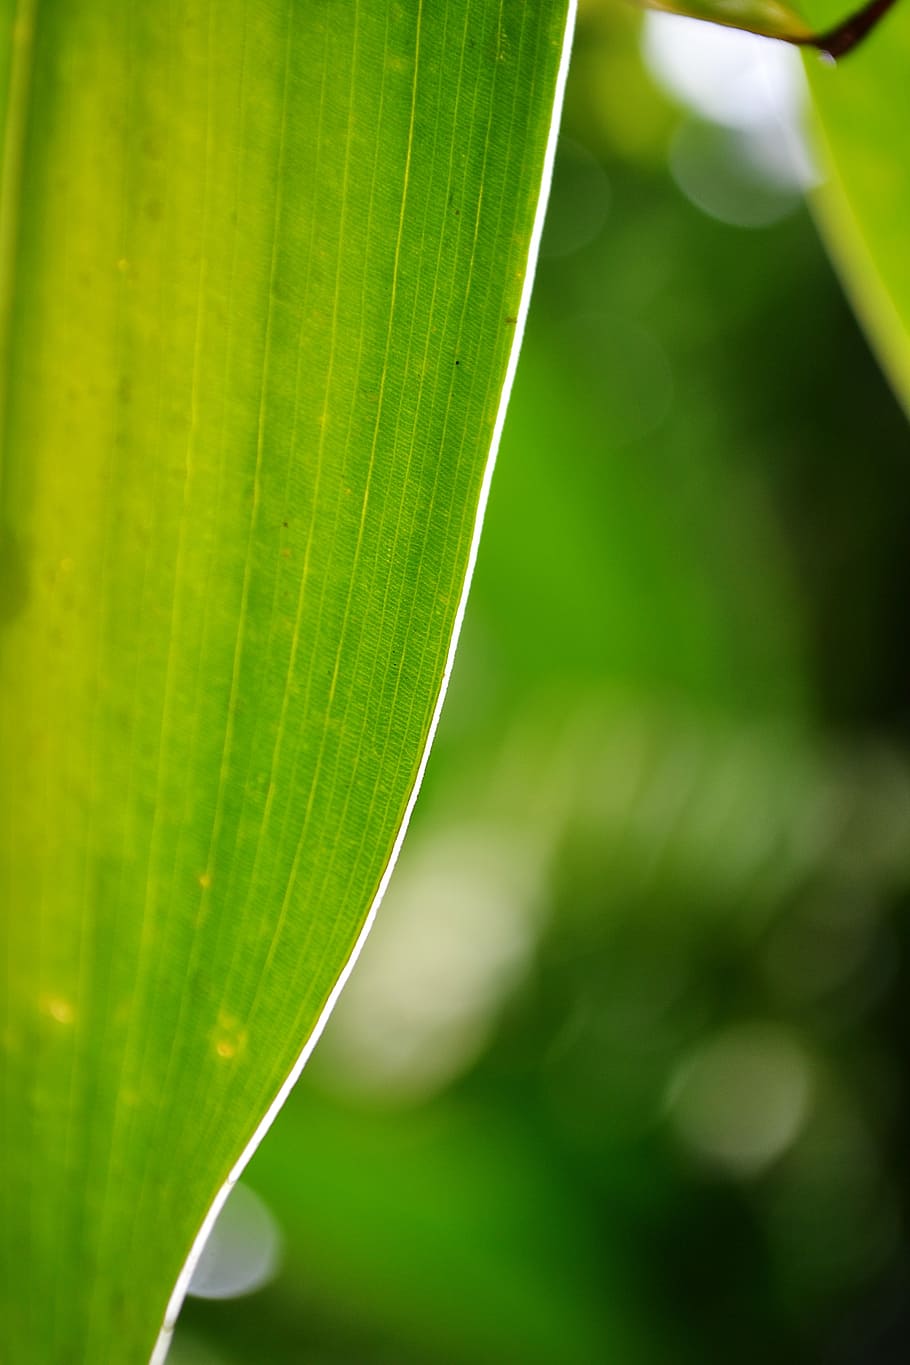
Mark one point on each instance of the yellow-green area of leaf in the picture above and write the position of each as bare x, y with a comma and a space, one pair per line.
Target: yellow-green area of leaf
770, 19
262, 267
862, 119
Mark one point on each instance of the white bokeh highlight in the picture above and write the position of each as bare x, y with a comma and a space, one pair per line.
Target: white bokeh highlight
740, 1099
243, 1250
742, 156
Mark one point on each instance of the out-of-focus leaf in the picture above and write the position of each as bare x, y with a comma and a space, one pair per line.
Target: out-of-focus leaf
770, 19
261, 269
863, 109
766, 17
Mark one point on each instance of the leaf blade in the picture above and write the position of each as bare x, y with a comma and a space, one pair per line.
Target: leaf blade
280, 370
861, 210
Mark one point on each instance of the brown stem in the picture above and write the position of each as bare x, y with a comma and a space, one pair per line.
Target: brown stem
844, 37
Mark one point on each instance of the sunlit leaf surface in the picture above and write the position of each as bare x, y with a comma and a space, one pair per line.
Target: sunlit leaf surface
863, 108
261, 268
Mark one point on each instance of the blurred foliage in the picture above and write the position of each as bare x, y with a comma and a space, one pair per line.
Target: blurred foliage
620, 1075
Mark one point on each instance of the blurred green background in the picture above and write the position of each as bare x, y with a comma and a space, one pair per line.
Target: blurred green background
620, 1074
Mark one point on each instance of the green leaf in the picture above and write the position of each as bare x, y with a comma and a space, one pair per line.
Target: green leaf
863, 117
262, 270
